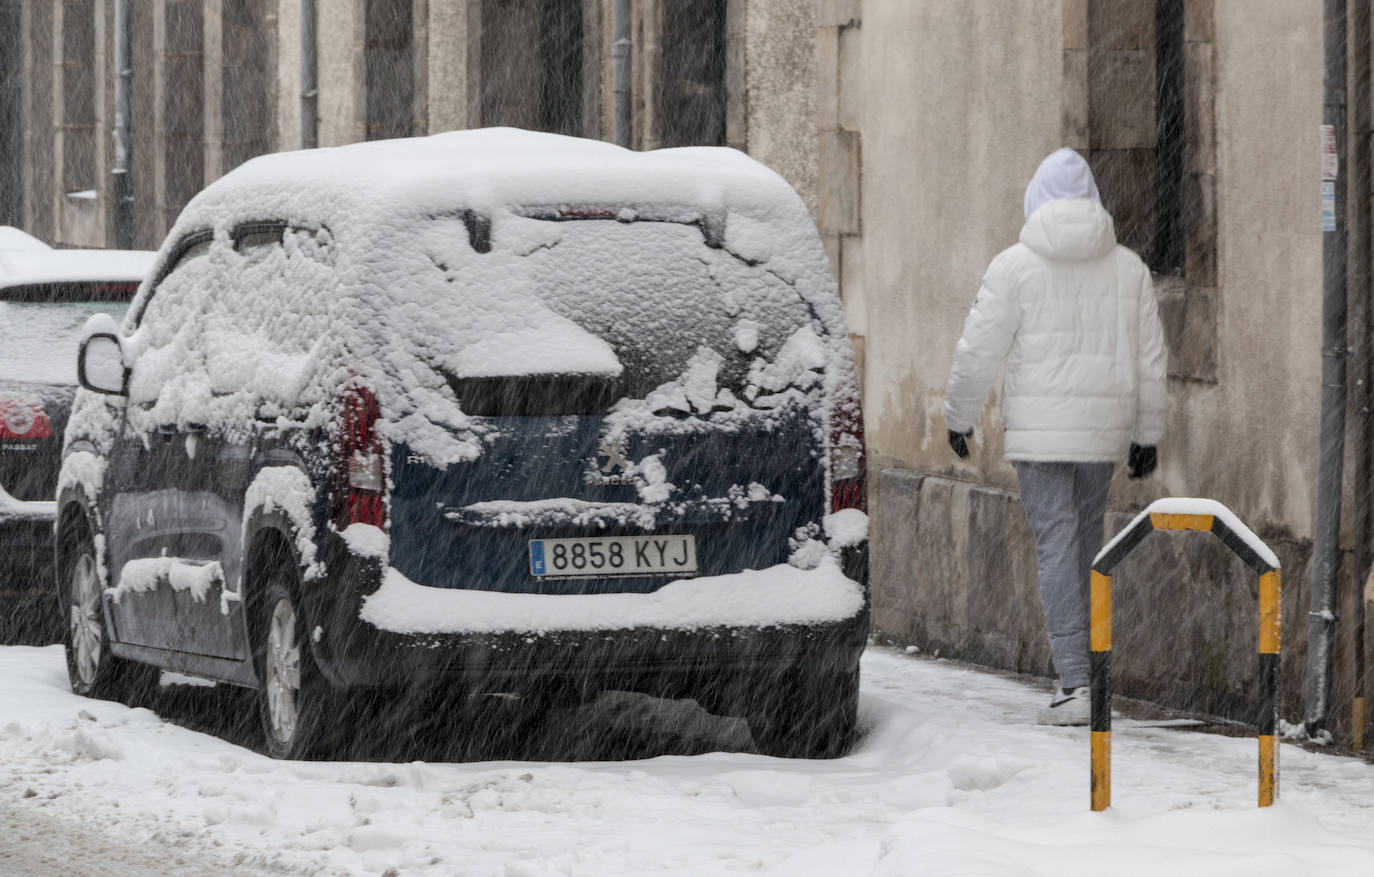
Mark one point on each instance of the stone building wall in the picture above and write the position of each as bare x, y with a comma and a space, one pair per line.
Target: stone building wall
958, 104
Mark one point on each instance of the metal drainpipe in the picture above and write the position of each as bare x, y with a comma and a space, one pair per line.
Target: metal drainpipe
1362, 119
1326, 532
620, 70
310, 87
122, 190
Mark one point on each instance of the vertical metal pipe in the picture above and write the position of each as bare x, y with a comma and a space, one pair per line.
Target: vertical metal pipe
310, 88
1361, 290
122, 190
1321, 621
620, 70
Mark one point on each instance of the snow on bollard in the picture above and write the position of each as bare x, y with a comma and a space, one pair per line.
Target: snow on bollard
1185, 514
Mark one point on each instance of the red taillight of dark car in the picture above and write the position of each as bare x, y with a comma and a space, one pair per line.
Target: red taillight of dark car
23, 421
361, 496
848, 461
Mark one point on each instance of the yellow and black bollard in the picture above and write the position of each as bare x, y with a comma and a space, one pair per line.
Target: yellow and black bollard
1185, 514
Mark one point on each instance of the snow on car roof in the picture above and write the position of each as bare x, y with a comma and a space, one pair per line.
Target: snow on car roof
481, 169
25, 260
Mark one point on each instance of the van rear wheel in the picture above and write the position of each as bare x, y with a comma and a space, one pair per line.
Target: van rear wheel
295, 703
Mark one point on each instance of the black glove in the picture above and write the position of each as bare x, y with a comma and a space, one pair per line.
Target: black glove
958, 441
1141, 461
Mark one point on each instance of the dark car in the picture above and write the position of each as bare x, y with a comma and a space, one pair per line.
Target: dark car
46, 296
488, 411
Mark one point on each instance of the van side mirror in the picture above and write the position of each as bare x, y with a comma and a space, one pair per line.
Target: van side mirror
100, 365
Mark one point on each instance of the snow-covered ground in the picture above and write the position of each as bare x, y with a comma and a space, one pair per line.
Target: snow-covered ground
951, 777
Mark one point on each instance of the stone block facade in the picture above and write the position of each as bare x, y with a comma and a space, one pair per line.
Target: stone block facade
954, 574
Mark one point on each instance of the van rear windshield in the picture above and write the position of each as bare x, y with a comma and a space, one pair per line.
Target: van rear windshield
657, 293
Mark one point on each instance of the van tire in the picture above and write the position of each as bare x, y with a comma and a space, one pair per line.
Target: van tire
93, 669
805, 714
296, 704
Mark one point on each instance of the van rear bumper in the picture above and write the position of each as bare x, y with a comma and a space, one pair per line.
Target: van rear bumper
660, 661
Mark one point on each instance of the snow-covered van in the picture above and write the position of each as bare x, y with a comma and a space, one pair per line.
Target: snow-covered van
487, 411
46, 296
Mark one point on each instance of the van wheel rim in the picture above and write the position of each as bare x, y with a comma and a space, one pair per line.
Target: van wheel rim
86, 633
283, 681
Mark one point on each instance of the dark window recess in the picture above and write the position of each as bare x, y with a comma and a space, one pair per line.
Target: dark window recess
536, 395
1170, 133
532, 64
692, 101
69, 293
560, 66
183, 106
11, 114
247, 95
389, 62
78, 96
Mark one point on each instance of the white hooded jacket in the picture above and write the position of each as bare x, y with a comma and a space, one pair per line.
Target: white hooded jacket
1073, 317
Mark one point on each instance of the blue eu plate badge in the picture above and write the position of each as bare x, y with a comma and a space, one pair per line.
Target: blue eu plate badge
537, 557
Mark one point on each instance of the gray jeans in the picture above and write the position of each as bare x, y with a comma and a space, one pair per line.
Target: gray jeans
1064, 504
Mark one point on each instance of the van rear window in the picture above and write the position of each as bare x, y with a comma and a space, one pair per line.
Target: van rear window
658, 294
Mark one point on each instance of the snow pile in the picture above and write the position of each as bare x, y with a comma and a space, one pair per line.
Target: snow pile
145, 574
781, 594
950, 777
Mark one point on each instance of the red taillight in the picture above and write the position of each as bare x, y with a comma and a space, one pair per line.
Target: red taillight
23, 420
361, 495
848, 463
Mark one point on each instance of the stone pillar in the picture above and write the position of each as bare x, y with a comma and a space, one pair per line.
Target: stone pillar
446, 73
340, 61
839, 157
287, 114
781, 90
212, 58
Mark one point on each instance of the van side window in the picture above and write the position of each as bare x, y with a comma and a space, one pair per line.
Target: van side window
250, 238
195, 250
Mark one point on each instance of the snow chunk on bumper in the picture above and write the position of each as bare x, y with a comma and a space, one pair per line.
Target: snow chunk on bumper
777, 595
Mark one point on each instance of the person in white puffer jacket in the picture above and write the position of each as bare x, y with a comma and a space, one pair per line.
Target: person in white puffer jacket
1071, 315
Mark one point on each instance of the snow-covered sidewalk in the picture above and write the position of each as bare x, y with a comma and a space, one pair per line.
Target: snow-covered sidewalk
951, 777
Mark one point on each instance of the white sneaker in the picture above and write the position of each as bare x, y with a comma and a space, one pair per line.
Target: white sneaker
1068, 706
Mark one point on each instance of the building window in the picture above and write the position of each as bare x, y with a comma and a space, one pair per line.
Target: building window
692, 81
1146, 123
246, 100
11, 114
389, 59
183, 108
79, 170
532, 59
1167, 254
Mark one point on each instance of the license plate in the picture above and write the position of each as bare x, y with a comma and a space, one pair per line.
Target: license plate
613, 556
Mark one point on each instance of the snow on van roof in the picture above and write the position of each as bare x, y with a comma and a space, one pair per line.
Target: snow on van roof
25, 260
483, 170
